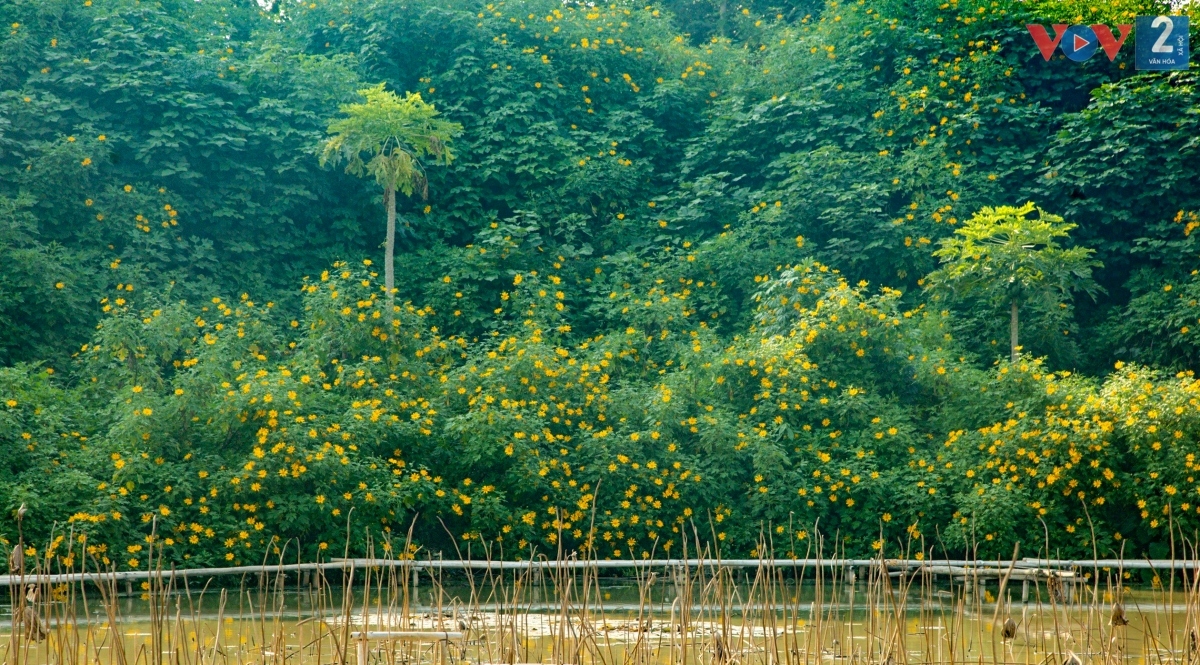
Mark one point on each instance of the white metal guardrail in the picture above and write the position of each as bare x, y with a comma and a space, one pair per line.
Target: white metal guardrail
1021, 568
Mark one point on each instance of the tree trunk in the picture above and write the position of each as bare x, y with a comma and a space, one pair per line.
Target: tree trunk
389, 273
1012, 332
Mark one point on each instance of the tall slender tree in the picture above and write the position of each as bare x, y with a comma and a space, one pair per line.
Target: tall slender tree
387, 137
1011, 259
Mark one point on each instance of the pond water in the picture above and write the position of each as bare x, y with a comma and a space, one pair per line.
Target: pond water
655, 619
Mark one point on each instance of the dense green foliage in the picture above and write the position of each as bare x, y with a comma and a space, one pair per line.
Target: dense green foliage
672, 288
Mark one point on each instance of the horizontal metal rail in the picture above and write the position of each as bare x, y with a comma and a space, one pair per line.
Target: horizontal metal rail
1022, 568
406, 635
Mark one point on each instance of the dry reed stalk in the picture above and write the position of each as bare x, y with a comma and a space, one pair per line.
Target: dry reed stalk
701, 613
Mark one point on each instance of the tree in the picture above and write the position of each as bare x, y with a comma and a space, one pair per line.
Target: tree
1003, 255
394, 133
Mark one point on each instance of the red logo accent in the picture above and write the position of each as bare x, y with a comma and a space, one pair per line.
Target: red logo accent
1080, 42
1109, 43
1044, 43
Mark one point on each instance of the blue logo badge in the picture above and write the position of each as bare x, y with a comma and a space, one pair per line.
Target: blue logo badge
1161, 43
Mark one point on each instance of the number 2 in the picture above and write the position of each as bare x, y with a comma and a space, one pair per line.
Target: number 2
1161, 45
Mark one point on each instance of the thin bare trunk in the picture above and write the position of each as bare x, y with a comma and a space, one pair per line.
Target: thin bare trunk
1012, 323
389, 273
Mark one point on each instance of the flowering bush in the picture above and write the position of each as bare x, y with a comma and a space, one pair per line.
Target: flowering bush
220, 431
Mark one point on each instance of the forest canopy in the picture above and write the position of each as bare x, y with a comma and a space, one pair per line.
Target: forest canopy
696, 273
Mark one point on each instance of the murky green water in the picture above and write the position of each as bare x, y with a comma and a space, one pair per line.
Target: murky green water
617, 620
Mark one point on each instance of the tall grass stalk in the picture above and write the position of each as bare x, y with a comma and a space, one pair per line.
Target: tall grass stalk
398, 607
